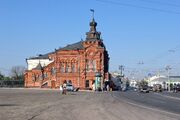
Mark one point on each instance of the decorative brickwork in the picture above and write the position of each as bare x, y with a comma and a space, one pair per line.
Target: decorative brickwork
76, 63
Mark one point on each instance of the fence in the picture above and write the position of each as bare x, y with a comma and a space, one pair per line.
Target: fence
11, 83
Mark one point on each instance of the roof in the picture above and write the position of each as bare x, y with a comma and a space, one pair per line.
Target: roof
45, 56
75, 46
174, 76
38, 67
41, 56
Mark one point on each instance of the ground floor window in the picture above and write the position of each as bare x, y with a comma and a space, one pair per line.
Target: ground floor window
87, 84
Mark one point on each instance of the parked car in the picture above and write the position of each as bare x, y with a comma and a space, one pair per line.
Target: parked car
178, 87
157, 88
69, 87
144, 89
150, 88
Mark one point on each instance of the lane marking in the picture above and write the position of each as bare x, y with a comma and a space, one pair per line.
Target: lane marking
150, 108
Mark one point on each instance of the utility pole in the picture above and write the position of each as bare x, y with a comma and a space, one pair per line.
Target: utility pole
121, 68
168, 68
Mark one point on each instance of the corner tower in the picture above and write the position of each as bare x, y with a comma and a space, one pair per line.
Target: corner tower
93, 34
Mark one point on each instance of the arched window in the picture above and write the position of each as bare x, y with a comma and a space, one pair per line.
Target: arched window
73, 68
62, 68
68, 68
88, 65
53, 71
91, 66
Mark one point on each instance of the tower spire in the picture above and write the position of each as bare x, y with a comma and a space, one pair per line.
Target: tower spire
93, 34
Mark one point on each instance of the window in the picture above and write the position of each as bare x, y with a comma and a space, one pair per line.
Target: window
87, 65
68, 68
62, 68
45, 75
87, 84
91, 65
53, 71
94, 65
73, 68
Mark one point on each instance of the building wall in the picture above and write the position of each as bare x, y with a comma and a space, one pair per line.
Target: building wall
77, 63
67, 59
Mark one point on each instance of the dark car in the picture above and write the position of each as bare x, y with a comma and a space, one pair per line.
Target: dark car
144, 89
176, 88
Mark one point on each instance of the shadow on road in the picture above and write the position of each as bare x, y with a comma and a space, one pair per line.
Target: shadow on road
6, 105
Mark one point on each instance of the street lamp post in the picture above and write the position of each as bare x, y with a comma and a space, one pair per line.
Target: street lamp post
121, 68
78, 68
168, 68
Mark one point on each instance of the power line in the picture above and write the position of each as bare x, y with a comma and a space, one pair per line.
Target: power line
137, 6
160, 3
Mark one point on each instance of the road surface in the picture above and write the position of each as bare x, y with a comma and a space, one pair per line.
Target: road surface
30, 104
169, 102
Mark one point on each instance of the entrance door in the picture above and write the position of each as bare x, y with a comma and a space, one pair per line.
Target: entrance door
87, 84
53, 85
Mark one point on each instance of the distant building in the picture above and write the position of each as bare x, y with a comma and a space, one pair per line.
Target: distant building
119, 80
133, 83
115, 78
76, 63
163, 80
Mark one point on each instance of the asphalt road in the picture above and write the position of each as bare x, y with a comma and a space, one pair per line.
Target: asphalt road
29, 104
169, 102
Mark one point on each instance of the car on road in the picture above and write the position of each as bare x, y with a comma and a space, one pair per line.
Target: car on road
144, 89
69, 87
178, 87
157, 88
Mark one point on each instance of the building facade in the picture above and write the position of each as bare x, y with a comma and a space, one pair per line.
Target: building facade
77, 64
164, 81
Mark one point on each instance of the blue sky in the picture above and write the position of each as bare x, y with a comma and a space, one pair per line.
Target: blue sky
132, 30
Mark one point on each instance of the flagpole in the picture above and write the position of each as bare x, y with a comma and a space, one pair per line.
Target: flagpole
92, 10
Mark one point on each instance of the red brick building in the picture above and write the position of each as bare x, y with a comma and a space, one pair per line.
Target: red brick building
77, 63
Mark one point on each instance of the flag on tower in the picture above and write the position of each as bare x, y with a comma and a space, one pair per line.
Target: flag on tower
92, 10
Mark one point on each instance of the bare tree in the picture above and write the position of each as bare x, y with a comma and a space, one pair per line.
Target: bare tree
1, 76
17, 72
